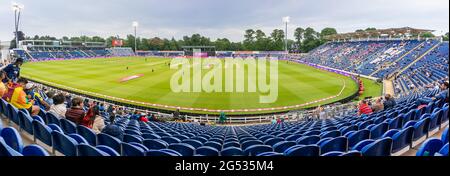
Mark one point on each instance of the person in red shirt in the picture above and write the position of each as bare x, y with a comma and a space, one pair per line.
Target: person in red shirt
364, 108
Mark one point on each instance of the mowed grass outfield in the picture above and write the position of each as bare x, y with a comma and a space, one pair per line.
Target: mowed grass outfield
298, 84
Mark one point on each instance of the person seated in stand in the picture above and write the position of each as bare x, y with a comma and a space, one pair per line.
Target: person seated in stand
389, 102
58, 108
13, 71
99, 123
20, 100
2, 85
378, 106
76, 112
442, 95
112, 129
364, 108
32, 94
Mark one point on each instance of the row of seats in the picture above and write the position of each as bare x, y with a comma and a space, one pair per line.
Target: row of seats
434, 146
380, 134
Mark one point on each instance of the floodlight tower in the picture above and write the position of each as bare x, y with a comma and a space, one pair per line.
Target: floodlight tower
135, 25
17, 8
286, 20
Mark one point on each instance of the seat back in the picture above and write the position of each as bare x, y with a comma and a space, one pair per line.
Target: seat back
68, 127
382, 147
88, 134
64, 144
12, 138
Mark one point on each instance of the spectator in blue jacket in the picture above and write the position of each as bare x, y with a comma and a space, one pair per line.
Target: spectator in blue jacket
389, 102
112, 129
13, 71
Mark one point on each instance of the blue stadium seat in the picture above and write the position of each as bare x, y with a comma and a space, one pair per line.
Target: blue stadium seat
193, 143
401, 138
55, 127
339, 144
42, 132
64, 144
34, 150
163, 152
131, 138
356, 137
110, 141
232, 151
12, 114
12, 138
303, 150
68, 127
421, 128
270, 154
110, 151
88, 134
87, 150
333, 154
51, 118
183, 149
213, 144
249, 143
80, 139
254, 150
131, 150
430, 147
378, 130
207, 151
381, 147
6, 150
280, 147
444, 137
308, 140
25, 122
155, 144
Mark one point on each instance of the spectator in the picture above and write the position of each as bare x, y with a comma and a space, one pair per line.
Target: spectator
364, 108
50, 95
443, 96
13, 71
389, 102
76, 112
19, 98
112, 129
378, 106
59, 108
33, 95
2, 85
99, 122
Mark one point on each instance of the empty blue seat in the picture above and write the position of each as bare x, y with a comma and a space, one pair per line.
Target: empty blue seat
356, 137
308, 140
378, 130
80, 139
12, 114
34, 150
131, 138
131, 150
155, 144
232, 151
183, 149
42, 132
303, 150
163, 152
443, 151
421, 128
51, 118
6, 150
333, 154
430, 147
170, 140
207, 151
64, 144
68, 126
339, 144
150, 136
381, 147
294, 137
257, 149
87, 133
193, 143
444, 137
273, 141
26, 122
280, 147
352, 153
87, 150
401, 138
232, 144
246, 144
55, 127
108, 140
271, 154
213, 144
110, 151
12, 138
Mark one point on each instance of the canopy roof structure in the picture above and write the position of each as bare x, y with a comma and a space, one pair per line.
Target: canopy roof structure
378, 33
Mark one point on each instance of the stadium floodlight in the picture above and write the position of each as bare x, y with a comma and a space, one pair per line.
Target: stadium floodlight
135, 25
17, 8
286, 20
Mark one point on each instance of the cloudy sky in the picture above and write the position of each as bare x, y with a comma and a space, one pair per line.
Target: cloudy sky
216, 18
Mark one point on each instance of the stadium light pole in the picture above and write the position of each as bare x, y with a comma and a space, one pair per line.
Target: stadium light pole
135, 25
286, 20
17, 8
